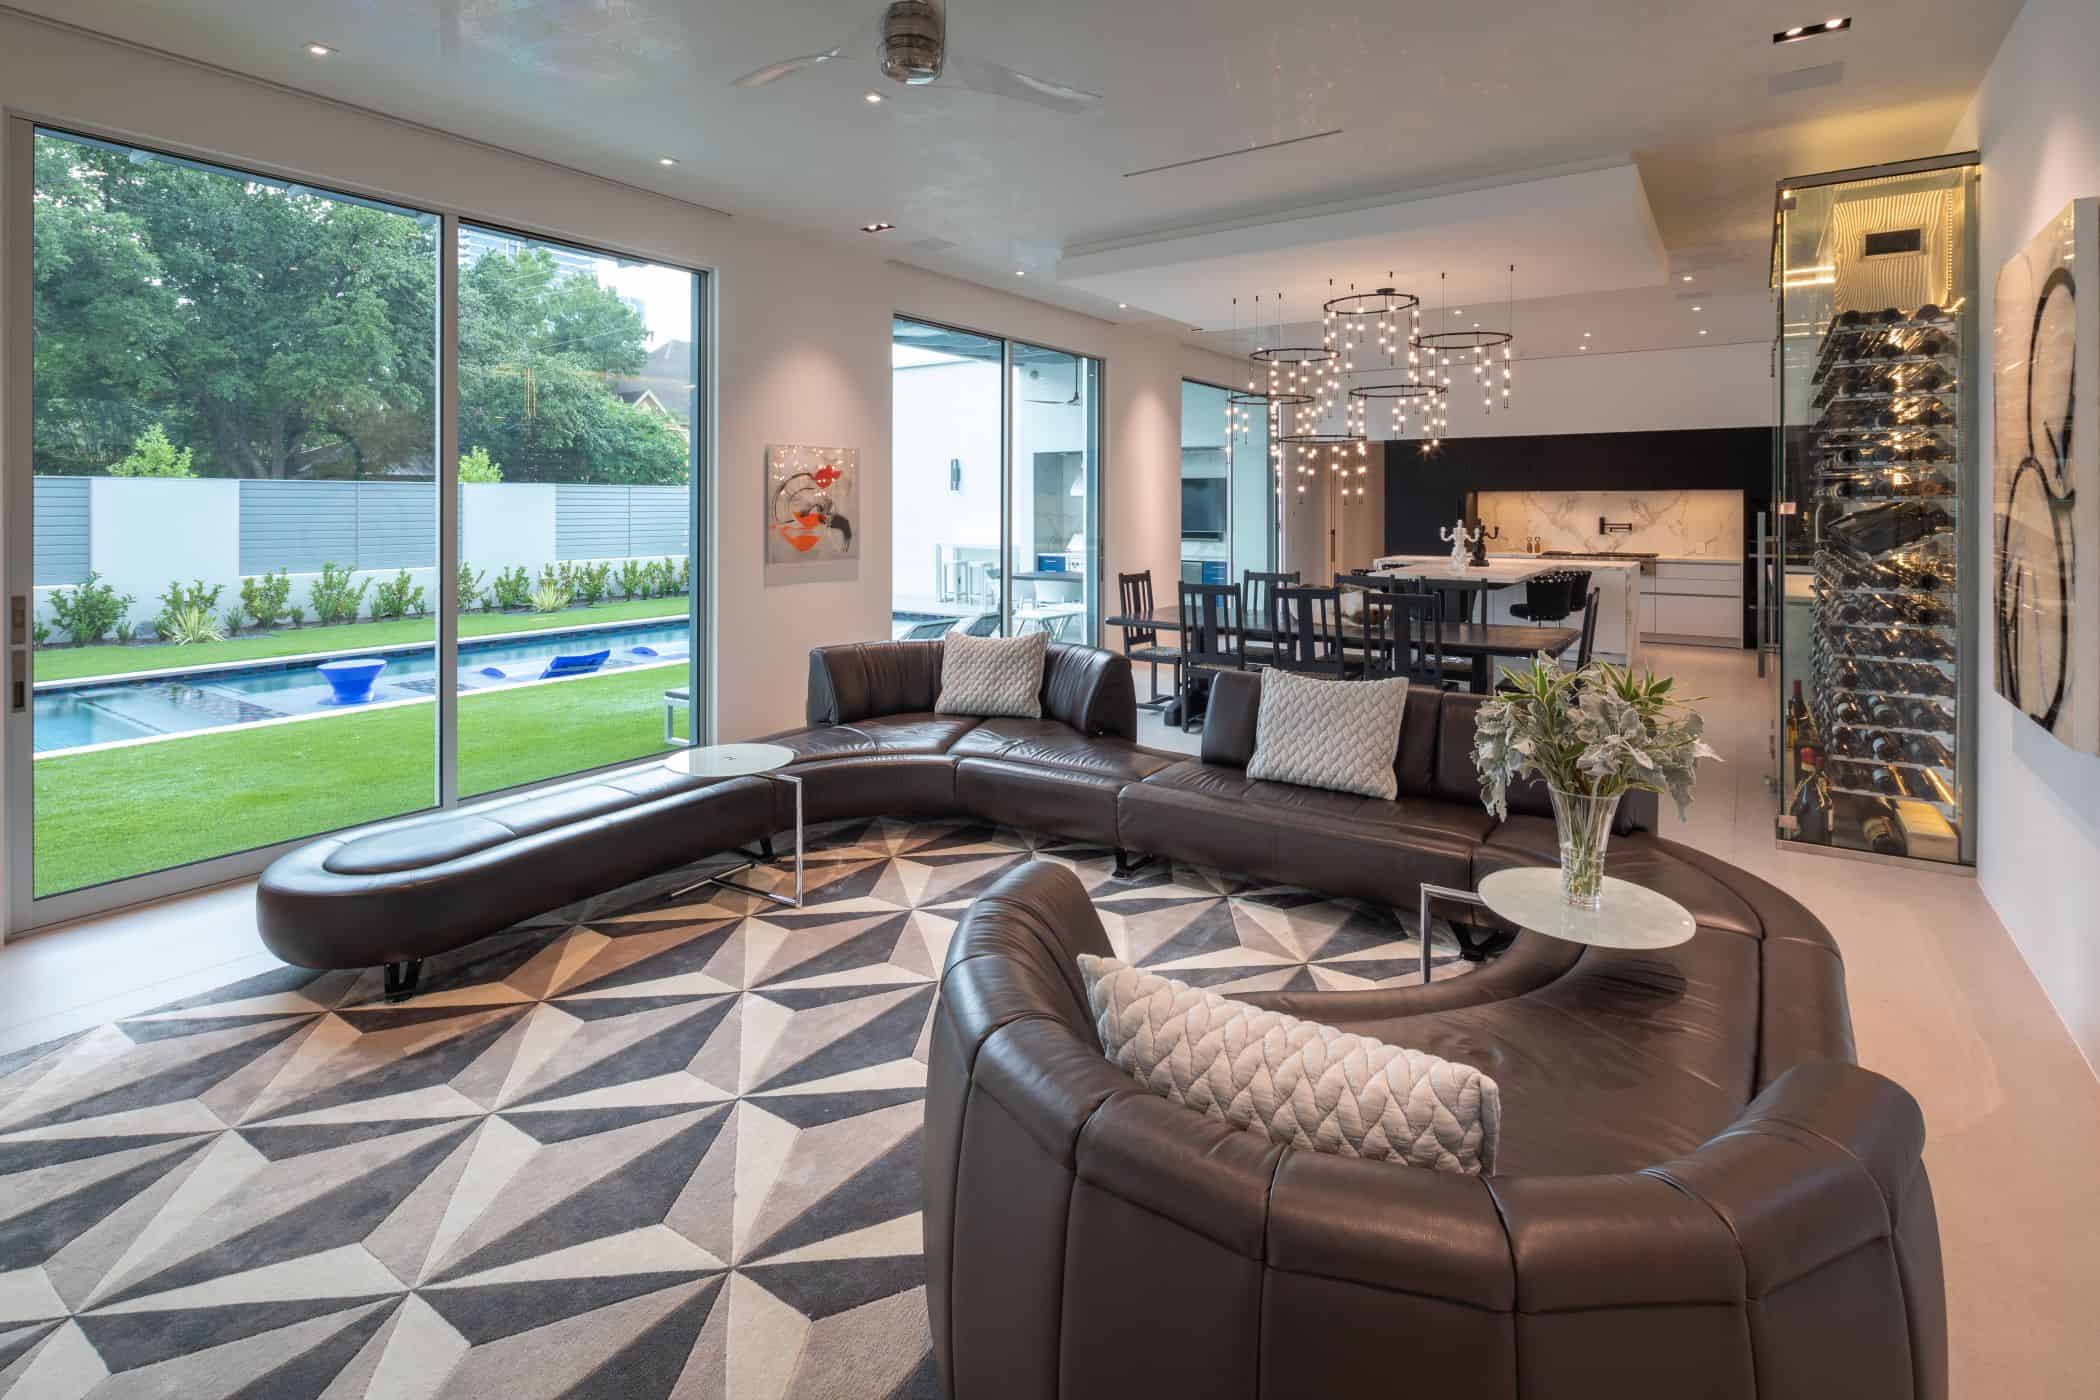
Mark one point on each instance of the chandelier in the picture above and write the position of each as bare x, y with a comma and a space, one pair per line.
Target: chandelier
1371, 325
1488, 351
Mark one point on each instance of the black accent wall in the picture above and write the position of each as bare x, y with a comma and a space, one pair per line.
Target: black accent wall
1426, 491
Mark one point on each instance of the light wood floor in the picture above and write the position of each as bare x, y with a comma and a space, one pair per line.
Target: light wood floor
1941, 1001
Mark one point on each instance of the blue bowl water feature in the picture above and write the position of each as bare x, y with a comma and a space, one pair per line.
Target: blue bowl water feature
351, 680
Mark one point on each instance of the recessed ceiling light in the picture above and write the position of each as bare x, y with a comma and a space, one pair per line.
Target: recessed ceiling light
1585, 335
665, 160
1687, 277
1795, 33
1698, 308
1020, 272
1122, 306
319, 50
1458, 311
1702, 332
871, 97
876, 228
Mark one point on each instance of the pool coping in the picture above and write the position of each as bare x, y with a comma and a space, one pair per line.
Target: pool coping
266, 663
345, 711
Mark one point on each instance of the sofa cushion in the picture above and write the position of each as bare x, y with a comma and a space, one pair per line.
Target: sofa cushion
1302, 1084
992, 675
916, 732
1404, 813
1056, 744
1340, 735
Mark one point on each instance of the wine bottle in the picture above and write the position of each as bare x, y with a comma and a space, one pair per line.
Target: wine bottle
1810, 808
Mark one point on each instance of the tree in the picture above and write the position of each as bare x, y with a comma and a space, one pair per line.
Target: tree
477, 466
153, 455
538, 355
283, 333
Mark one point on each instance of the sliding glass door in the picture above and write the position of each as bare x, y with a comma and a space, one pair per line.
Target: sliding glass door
996, 463
262, 585
578, 391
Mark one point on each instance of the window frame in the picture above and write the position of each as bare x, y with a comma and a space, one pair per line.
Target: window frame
24, 912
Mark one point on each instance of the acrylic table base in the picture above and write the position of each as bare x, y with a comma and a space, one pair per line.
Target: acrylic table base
752, 761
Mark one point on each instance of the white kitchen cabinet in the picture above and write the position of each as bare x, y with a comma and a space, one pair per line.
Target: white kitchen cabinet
1696, 601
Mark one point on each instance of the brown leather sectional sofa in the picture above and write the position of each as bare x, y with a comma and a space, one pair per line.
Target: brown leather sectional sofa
1699, 1193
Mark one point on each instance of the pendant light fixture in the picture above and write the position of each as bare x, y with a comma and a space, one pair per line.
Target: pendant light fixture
1489, 351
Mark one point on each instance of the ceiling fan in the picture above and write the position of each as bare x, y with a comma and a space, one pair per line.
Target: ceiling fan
910, 40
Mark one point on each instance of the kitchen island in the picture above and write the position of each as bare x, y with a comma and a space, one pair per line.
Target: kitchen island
1618, 583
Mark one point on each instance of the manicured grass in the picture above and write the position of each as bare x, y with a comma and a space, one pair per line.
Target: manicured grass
113, 658
117, 812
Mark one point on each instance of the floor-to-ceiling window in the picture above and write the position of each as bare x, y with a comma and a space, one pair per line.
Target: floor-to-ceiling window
238, 611
1228, 493
996, 463
577, 396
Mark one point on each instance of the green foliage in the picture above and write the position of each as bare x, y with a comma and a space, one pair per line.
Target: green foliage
153, 455
512, 589
298, 615
285, 334
685, 574
549, 597
333, 597
632, 578
231, 620
661, 580
469, 588
1599, 731
561, 575
281, 332
397, 597
39, 631
92, 611
188, 625
265, 597
477, 467
593, 582
197, 597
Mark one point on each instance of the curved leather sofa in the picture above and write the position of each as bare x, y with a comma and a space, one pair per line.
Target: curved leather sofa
1699, 1193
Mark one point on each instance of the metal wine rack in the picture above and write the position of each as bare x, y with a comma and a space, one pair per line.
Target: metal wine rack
1884, 446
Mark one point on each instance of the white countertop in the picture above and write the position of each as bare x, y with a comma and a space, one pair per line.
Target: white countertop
1651, 559
1503, 569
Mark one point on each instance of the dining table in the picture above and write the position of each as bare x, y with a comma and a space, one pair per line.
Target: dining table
1481, 643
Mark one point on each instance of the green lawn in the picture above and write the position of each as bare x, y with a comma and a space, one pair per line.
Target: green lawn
112, 658
116, 812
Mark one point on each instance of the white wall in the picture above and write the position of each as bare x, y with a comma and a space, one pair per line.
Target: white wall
2036, 120
1720, 386
801, 337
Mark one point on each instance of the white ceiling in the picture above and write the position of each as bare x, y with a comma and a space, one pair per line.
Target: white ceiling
1427, 95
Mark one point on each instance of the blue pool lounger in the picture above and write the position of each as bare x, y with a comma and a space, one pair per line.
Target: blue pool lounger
580, 664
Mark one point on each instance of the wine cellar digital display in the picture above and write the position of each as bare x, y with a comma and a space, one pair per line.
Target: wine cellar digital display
1876, 451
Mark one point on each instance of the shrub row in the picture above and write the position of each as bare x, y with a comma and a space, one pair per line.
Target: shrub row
94, 611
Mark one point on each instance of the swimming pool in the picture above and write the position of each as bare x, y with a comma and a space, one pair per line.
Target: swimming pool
94, 712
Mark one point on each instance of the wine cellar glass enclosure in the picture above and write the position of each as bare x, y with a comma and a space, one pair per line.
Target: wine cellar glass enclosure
1879, 480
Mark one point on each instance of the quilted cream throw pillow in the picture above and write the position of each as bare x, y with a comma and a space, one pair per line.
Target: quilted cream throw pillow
1304, 1084
1329, 734
992, 675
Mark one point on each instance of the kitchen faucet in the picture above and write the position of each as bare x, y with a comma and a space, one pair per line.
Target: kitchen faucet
1614, 527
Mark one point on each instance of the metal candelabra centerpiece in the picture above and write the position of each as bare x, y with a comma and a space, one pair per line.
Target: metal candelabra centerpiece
1468, 547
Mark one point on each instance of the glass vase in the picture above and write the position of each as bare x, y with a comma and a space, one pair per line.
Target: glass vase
1584, 824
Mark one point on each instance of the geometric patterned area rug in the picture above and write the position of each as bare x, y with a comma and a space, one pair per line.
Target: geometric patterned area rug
651, 1146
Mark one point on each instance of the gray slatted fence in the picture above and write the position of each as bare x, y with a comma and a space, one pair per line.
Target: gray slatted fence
619, 522
59, 526
301, 525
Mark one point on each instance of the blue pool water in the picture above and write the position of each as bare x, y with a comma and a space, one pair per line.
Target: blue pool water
95, 713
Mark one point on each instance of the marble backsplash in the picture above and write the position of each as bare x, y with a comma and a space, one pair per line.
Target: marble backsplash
1696, 524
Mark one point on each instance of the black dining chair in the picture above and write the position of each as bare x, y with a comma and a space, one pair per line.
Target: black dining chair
1403, 635
1259, 587
1305, 631
1141, 643
1588, 644
1548, 597
1213, 637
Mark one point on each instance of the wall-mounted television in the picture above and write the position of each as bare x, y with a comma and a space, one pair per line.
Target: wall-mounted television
1203, 507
